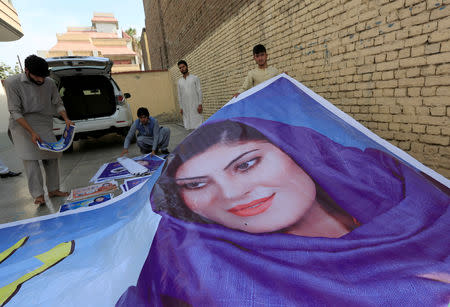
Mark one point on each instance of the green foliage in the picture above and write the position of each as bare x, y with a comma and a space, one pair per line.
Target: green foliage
131, 32
134, 39
6, 71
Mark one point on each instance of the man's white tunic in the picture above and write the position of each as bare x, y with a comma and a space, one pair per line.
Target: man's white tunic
189, 97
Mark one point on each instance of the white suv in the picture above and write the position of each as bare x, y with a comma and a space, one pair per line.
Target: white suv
93, 100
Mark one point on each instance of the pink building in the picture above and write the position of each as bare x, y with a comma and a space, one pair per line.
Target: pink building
101, 39
10, 29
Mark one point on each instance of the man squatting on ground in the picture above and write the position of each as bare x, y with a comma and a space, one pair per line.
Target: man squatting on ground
33, 100
259, 74
189, 97
148, 131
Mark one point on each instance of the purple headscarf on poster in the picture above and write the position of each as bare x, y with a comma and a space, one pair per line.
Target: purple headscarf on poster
370, 231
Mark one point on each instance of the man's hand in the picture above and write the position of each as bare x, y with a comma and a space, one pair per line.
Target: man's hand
66, 119
69, 123
124, 152
200, 109
181, 111
235, 95
35, 137
153, 153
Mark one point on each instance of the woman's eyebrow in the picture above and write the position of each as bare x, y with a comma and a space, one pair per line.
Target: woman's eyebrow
240, 156
190, 178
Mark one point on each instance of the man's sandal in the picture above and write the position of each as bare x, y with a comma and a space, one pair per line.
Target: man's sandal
40, 200
57, 193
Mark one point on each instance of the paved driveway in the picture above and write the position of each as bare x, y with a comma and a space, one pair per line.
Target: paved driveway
76, 169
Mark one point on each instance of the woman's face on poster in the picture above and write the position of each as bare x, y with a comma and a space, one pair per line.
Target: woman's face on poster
252, 186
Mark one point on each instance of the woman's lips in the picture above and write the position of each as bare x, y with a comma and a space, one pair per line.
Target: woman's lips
254, 207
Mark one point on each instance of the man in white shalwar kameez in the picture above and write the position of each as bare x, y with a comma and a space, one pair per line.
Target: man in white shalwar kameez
189, 98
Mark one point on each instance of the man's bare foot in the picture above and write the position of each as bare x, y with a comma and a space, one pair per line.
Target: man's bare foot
40, 200
57, 193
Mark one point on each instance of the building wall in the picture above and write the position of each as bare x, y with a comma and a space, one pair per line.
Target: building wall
125, 68
83, 53
178, 27
106, 27
386, 63
145, 50
154, 34
150, 89
55, 53
113, 42
68, 36
10, 28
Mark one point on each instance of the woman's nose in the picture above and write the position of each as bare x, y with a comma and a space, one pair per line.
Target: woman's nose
233, 188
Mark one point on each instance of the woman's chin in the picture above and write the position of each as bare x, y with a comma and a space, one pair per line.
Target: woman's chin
263, 229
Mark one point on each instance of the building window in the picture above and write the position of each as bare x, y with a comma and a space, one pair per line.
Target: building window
122, 62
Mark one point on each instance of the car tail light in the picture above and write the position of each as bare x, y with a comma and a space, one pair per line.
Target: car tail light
120, 99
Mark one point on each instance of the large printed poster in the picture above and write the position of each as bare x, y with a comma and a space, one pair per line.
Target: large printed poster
279, 199
62, 144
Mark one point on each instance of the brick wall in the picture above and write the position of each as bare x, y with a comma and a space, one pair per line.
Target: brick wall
176, 27
145, 52
386, 63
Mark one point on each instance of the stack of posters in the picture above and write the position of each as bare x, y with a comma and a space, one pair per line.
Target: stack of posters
92, 201
93, 190
133, 167
131, 183
64, 142
115, 170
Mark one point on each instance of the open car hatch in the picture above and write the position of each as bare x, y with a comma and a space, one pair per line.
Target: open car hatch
73, 62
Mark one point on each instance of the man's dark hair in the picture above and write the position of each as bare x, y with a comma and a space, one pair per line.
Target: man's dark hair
143, 112
37, 66
182, 62
259, 48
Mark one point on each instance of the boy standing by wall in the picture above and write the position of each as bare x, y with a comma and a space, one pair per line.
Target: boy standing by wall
261, 73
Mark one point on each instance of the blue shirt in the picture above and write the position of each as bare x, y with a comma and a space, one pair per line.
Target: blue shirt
151, 129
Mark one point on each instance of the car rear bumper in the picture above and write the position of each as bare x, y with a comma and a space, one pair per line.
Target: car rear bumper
93, 127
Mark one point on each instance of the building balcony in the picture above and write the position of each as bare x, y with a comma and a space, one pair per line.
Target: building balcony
10, 28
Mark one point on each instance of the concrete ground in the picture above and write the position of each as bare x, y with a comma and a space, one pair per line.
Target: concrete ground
76, 169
